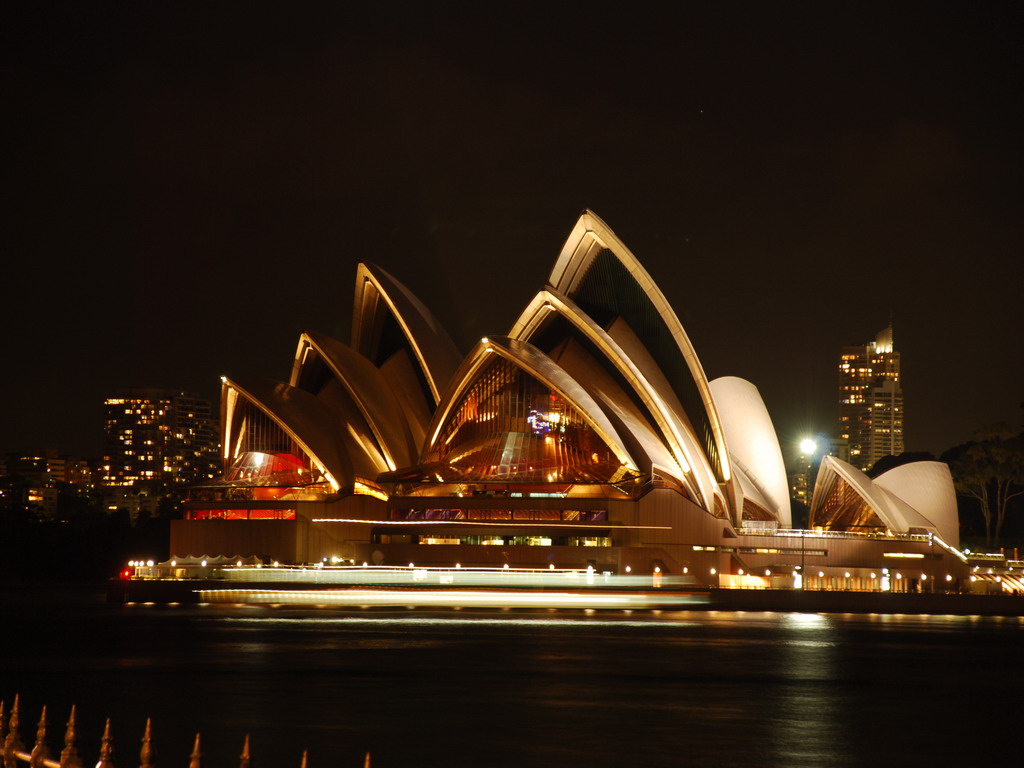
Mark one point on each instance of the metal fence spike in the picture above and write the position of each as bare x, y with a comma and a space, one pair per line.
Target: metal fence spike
40, 752
146, 753
69, 755
106, 748
12, 742
245, 759
196, 758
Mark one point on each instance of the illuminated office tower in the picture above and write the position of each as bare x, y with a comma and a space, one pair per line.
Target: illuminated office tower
158, 439
871, 400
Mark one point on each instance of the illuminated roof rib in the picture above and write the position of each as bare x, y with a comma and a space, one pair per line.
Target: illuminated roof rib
301, 416
511, 402
366, 387
753, 445
847, 499
604, 278
685, 454
380, 298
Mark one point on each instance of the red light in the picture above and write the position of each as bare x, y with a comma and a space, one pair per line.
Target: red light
126, 573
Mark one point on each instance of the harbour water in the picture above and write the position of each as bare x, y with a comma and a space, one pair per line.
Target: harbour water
539, 687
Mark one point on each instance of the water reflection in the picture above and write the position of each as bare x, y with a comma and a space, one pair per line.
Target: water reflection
516, 688
808, 714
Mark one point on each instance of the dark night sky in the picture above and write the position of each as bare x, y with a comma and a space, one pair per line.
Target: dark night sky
188, 190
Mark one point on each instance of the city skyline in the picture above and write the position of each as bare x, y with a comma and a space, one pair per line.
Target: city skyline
842, 170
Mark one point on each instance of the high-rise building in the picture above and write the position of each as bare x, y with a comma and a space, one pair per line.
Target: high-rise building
871, 400
157, 439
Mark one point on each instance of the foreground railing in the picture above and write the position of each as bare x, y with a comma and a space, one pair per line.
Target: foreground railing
39, 756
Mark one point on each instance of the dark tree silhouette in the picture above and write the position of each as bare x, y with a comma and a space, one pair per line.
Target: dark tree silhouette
991, 471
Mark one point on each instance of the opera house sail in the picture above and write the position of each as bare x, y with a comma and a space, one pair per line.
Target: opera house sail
586, 435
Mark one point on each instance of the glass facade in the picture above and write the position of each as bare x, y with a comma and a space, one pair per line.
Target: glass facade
510, 427
843, 509
752, 511
264, 454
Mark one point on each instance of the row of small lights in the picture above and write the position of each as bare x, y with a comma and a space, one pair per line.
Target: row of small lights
713, 571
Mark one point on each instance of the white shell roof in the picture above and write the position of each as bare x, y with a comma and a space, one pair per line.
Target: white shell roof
897, 514
753, 442
927, 486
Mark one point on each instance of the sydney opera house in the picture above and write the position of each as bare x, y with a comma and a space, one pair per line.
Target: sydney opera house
587, 435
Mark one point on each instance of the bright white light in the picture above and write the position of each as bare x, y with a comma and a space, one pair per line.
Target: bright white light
808, 446
487, 598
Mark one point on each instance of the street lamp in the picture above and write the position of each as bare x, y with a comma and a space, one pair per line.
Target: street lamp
808, 448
